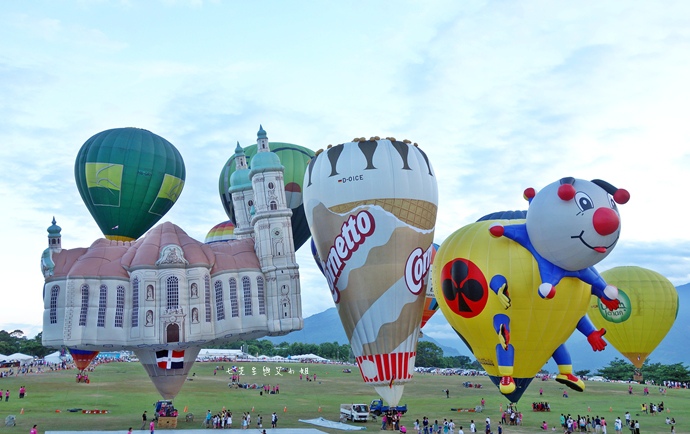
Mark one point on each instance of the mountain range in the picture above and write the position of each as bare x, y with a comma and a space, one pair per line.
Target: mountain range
326, 327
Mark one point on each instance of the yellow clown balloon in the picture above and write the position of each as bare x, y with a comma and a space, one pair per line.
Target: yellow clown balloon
647, 310
485, 288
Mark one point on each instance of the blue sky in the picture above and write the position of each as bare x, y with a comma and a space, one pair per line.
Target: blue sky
502, 95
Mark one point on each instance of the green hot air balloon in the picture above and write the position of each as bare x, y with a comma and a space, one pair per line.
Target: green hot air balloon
128, 178
295, 159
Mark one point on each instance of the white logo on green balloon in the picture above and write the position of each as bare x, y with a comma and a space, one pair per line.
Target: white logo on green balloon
618, 315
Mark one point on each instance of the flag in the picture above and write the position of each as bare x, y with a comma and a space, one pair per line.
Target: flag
170, 359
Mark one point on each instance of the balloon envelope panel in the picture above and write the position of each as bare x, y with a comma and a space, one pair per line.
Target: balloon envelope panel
128, 178
430, 303
82, 358
294, 159
167, 367
371, 207
537, 326
648, 308
221, 232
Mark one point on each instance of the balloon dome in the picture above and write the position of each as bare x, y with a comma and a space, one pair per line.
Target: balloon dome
128, 178
221, 232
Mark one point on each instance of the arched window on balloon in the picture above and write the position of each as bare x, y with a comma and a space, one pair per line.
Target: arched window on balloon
261, 294
135, 302
120, 306
273, 205
285, 307
173, 292
207, 297
247, 295
102, 305
84, 304
220, 308
54, 293
234, 303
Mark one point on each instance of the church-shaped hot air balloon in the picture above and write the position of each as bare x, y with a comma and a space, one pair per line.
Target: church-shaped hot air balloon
165, 295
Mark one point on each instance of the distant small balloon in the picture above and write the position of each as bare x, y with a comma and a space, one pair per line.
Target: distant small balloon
647, 310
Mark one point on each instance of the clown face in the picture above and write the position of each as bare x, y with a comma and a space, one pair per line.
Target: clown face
573, 225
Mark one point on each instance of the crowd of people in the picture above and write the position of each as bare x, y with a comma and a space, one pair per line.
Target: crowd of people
511, 415
541, 406
391, 421
652, 409
598, 425
426, 427
224, 420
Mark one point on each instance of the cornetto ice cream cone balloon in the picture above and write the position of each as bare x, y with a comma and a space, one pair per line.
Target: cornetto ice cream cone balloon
371, 207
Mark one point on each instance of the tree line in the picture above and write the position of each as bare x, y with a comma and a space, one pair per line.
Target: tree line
623, 370
429, 355
17, 342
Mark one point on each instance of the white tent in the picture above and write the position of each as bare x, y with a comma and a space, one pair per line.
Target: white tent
53, 357
210, 353
21, 358
309, 357
3, 357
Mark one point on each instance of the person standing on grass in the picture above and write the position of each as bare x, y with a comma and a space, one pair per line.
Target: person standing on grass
34, 430
152, 426
143, 420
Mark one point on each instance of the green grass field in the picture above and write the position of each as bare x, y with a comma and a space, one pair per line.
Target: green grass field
125, 391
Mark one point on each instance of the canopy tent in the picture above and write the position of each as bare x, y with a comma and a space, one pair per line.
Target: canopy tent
309, 357
21, 358
53, 358
211, 352
3, 357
